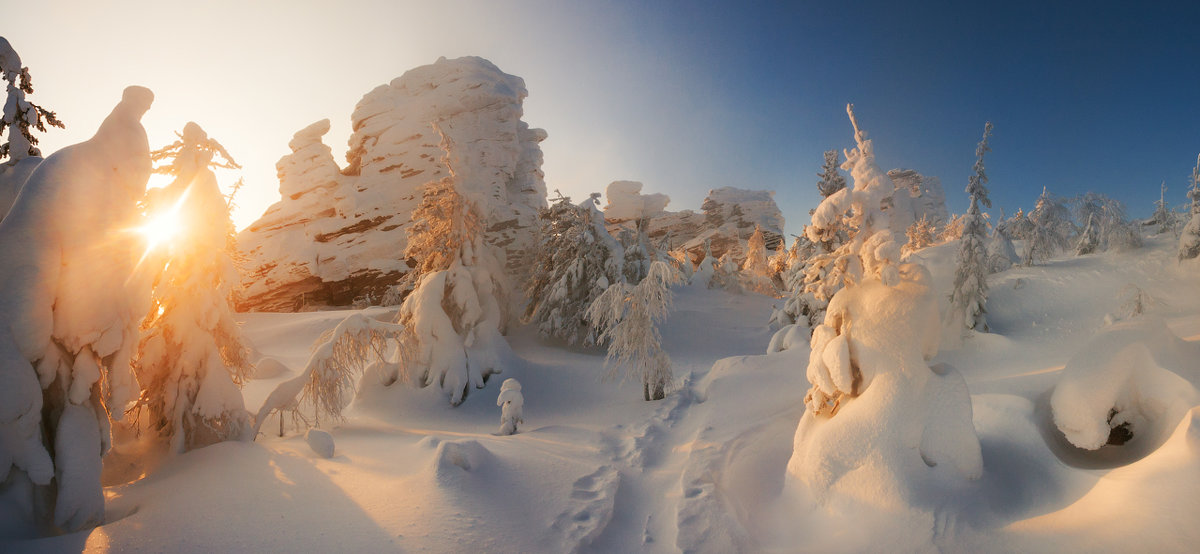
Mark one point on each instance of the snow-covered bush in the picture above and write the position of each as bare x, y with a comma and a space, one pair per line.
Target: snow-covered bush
878, 417
628, 317
953, 229
326, 385
191, 357
454, 316
1135, 303
575, 261
920, 235
1189, 239
511, 404
70, 310
969, 297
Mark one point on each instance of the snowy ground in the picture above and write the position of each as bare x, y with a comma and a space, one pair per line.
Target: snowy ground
595, 468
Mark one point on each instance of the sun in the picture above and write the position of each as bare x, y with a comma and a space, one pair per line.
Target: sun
161, 229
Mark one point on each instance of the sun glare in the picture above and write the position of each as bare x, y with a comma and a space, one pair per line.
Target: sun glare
161, 229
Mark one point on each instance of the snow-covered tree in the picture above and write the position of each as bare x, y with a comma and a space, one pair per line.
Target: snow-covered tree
454, 316
20, 116
191, 358
953, 229
638, 252
1107, 215
778, 264
831, 181
70, 316
756, 254
1189, 239
628, 316
19, 154
726, 275
1089, 238
1163, 219
920, 235
1001, 254
969, 298
1052, 227
756, 271
575, 262
875, 408
511, 404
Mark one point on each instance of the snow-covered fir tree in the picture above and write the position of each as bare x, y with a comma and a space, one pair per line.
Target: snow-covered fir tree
1089, 238
70, 282
575, 262
1189, 239
628, 316
756, 254
1001, 254
969, 298
1163, 219
454, 317
1107, 215
20, 116
831, 180
191, 358
637, 250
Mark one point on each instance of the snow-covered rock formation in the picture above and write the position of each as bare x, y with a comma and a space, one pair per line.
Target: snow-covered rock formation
338, 235
729, 216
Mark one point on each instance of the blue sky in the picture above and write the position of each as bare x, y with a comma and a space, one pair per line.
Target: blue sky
683, 96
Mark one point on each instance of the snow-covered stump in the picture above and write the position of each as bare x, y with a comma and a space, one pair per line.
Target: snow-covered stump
893, 423
511, 403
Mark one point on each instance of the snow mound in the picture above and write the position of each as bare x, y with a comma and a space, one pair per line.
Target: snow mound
1134, 378
320, 442
904, 426
454, 457
269, 368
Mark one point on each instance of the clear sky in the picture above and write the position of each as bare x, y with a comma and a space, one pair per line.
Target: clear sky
682, 95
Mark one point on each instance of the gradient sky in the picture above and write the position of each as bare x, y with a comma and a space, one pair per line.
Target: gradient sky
684, 96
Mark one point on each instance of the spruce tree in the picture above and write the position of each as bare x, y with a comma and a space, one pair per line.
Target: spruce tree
831, 181
969, 298
1189, 240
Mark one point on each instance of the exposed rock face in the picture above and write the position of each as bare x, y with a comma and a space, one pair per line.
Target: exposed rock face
728, 219
338, 235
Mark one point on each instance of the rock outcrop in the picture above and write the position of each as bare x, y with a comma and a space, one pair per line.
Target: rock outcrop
728, 218
338, 235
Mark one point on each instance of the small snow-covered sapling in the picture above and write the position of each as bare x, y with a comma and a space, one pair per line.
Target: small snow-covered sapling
510, 402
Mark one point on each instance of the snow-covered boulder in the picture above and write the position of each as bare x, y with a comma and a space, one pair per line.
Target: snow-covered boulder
901, 424
1129, 386
337, 234
627, 203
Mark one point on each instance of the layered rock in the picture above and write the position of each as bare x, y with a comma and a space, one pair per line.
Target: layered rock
339, 235
728, 219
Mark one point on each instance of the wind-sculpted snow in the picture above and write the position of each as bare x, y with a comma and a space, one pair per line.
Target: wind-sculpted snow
1135, 375
337, 235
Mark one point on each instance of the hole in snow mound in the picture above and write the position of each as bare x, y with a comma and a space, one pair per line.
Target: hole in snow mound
1142, 441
